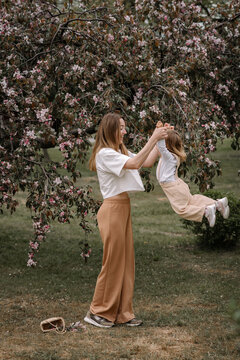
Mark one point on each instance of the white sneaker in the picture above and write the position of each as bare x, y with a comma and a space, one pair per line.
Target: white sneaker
98, 321
210, 213
223, 208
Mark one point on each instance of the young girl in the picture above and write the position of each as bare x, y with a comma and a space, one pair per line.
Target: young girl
189, 207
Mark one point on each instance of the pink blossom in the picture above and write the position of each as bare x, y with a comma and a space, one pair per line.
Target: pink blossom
141, 43
31, 134
26, 142
182, 94
100, 87
222, 90
143, 114
34, 245
77, 68
182, 82
42, 115
209, 162
155, 109
79, 141
189, 42
182, 4
86, 255
139, 93
110, 38
57, 181
17, 75
46, 228
95, 99
31, 263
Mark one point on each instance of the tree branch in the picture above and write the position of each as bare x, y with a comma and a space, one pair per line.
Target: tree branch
167, 92
204, 8
40, 165
64, 26
227, 21
83, 35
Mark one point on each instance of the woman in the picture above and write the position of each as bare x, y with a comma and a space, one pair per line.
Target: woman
117, 171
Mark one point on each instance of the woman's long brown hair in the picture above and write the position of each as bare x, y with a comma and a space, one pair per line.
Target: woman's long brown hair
175, 145
107, 137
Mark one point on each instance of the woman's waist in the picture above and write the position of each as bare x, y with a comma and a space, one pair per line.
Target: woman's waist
119, 197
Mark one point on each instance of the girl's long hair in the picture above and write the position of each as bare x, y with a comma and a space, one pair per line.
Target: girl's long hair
175, 145
107, 137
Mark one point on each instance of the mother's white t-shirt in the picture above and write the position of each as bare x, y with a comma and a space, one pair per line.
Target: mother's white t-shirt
113, 178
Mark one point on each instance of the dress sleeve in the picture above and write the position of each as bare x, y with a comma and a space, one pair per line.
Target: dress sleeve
111, 161
161, 145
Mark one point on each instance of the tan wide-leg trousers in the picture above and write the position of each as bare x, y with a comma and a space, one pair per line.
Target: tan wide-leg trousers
115, 284
188, 206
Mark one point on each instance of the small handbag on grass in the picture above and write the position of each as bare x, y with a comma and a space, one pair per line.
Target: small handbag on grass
53, 324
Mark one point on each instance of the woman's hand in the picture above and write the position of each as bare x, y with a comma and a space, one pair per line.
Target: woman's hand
159, 124
160, 133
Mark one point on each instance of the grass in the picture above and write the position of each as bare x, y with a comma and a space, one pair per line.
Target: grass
182, 293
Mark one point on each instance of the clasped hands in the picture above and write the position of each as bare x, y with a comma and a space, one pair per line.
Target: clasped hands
160, 131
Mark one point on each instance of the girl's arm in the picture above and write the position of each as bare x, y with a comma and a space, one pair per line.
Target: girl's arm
138, 160
165, 153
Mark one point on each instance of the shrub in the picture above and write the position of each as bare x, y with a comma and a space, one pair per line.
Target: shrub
225, 233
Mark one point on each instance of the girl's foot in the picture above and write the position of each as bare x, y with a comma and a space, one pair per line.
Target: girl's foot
210, 213
223, 208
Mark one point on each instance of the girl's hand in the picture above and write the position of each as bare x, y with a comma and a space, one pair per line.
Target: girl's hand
168, 126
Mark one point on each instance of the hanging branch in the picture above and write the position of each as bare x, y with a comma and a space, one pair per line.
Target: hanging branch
227, 21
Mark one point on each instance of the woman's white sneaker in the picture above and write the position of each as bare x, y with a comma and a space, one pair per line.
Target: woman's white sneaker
98, 321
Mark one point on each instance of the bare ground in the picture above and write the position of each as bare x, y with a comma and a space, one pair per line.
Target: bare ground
21, 337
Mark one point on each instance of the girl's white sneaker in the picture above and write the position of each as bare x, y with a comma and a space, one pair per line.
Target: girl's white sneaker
223, 208
210, 213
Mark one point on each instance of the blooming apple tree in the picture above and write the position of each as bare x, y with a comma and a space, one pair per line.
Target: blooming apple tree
63, 67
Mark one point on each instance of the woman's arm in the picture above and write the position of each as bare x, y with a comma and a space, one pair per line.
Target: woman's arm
138, 160
152, 158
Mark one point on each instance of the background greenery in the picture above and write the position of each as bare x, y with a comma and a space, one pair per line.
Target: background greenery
183, 294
